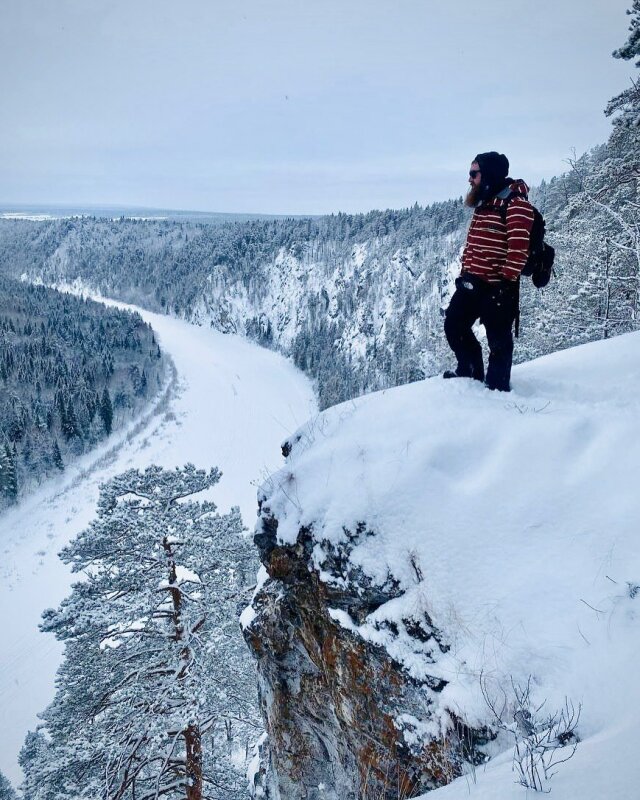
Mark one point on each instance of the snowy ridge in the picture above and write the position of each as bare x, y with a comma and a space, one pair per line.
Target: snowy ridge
292, 280
357, 315
512, 521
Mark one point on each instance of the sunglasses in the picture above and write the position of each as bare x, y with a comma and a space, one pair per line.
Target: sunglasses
473, 173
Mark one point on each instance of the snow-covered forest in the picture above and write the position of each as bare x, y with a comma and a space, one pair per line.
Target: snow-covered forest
357, 300
72, 371
427, 587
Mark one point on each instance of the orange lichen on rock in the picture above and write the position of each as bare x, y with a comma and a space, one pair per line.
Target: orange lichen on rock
331, 699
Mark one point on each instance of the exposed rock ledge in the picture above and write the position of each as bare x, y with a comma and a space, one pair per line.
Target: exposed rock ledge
344, 720
421, 538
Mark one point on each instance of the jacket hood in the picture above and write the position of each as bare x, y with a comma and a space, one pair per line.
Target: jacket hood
519, 187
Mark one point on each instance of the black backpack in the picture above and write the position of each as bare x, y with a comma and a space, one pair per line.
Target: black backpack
539, 266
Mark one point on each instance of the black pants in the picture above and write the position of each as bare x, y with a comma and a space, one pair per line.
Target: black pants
496, 307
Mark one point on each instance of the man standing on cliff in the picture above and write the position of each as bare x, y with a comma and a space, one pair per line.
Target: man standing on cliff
496, 250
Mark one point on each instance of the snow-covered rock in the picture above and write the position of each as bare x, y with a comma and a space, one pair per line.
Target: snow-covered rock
432, 540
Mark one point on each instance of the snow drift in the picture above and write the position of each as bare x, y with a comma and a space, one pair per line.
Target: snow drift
510, 521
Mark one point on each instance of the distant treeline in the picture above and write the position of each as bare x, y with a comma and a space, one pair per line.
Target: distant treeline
356, 300
71, 370
335, 292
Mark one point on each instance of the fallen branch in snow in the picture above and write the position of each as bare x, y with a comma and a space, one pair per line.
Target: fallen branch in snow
593, 608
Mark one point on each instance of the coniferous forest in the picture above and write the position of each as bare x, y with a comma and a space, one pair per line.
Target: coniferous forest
357, 300
71, 371
154, 697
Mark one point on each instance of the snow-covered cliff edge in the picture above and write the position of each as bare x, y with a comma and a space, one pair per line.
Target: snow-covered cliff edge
426, 542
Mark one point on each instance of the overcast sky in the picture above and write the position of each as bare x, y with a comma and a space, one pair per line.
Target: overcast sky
295, 106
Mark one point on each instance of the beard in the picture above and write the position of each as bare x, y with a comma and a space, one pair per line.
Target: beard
473, 196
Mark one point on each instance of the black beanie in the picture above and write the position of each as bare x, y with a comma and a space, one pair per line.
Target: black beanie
494, 168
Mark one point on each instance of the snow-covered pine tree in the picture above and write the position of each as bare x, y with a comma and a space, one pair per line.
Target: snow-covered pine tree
7, 792
40, 771
624, 178
625, 107
106, 411
155, 671
8, 473
596, 293
610, 191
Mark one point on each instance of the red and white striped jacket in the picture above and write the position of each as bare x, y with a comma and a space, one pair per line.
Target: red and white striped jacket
496, 250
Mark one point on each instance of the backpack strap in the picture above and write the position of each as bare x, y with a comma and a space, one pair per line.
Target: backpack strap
502, 209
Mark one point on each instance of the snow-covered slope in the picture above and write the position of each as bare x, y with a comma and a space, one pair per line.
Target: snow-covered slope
513, 521
231, 405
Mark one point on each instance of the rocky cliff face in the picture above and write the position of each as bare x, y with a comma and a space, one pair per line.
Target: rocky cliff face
344, 719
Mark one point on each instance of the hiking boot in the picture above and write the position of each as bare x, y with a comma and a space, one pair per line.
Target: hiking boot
451, 374
494, 388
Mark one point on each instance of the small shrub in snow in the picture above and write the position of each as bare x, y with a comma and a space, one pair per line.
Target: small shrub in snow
542, 741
